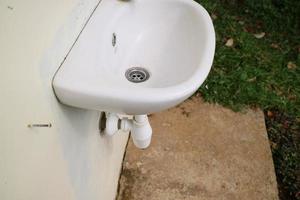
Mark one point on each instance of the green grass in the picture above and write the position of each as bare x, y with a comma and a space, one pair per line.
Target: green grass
254, 73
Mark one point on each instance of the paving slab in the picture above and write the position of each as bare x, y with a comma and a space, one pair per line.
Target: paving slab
201, 151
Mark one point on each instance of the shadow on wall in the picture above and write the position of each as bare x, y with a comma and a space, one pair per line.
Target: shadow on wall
78, 132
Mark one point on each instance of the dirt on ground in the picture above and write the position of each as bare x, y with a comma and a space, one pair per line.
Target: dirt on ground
201, 151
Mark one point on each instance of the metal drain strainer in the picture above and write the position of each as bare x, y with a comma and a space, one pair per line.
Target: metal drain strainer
137, 74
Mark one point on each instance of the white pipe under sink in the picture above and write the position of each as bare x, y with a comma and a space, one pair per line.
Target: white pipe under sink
139, 127
112, 121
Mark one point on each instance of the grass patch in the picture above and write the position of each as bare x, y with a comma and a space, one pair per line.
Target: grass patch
261, 69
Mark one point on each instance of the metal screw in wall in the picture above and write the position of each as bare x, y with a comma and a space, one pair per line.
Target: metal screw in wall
39, 125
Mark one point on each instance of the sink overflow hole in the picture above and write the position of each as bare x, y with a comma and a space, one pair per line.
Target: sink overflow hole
137, 74
114, 40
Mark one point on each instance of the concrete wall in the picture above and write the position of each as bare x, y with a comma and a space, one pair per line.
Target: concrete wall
70, 160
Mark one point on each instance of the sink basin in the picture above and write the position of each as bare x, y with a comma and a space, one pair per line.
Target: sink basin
138, 57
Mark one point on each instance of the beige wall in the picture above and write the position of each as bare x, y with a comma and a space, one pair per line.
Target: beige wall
69, 160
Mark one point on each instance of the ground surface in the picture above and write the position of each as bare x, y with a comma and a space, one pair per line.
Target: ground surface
201, 151
257, 64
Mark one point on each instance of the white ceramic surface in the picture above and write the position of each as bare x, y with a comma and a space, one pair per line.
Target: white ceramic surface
173, 39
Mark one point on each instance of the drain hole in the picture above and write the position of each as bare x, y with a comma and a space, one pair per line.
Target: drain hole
137, 74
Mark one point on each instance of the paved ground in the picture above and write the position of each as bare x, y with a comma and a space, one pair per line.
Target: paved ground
201, 151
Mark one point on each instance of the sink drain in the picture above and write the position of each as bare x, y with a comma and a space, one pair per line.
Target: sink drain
137, 74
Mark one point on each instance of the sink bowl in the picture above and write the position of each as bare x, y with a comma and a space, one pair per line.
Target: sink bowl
138, 57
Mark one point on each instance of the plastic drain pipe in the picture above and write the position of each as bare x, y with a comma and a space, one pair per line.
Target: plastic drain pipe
139, 127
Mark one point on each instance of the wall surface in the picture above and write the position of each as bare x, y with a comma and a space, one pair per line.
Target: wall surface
70, 160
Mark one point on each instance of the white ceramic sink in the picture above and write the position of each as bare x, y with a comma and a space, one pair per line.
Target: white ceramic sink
173, 40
